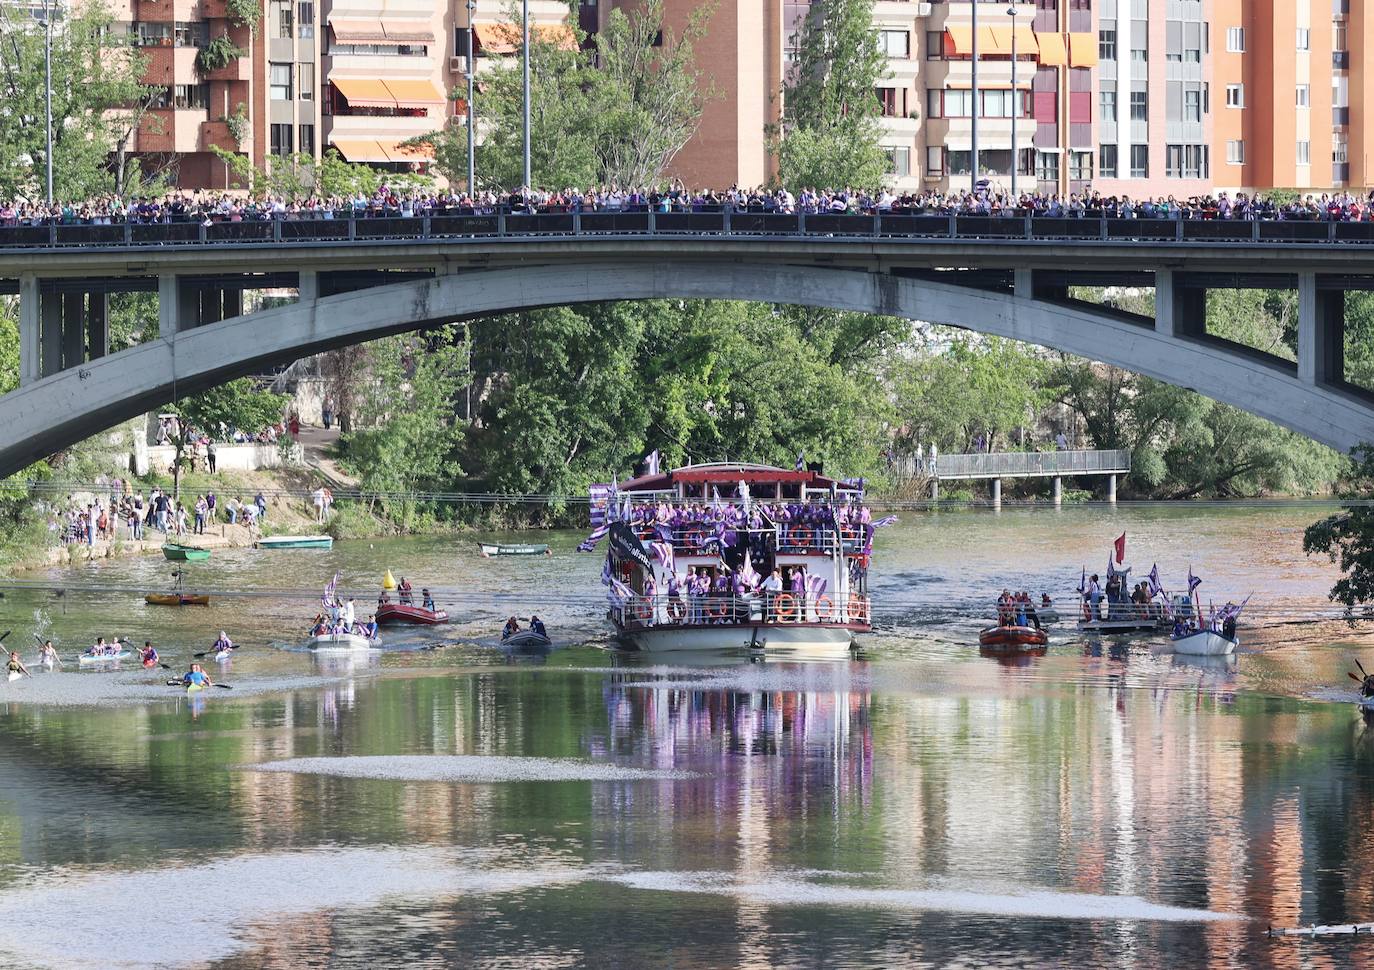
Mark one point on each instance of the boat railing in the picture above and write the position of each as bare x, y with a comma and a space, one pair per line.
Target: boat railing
643, 612
802, 537
1126, 611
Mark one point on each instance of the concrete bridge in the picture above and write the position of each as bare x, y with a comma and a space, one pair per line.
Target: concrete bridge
359, 279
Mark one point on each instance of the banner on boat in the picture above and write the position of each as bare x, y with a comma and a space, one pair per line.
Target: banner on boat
626, 545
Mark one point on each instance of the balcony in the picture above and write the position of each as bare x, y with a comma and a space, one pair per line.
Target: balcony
1340, 60
1340, 117
239, 69
216, 134
170, 130
885, 10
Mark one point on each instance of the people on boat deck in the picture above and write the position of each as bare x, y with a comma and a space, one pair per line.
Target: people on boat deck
16, 666
370, 628
404, 589
197, 677
426, 601
1092, 596
511, 628
148, 653
223, 642
537, 625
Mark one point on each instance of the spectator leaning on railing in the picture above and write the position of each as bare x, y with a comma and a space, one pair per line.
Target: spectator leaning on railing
210, 208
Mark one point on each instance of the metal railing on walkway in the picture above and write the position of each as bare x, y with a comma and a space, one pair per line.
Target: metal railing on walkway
1017, 464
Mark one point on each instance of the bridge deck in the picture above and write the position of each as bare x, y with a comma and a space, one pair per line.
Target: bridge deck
1018, 464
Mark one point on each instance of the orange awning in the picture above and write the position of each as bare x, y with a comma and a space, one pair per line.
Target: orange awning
396, 152
1053, 53
498, 38
1026, 43
350, 31
364, 92
380, 150
408, 30
1083, 50
409, 92
1001, 41
958, 41
559, 35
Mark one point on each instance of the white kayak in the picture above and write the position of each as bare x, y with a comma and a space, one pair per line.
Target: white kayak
1205, 643
15, 675
225, 654
104, 658
341, 641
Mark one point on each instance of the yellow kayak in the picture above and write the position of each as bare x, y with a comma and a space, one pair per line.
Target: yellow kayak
194, 688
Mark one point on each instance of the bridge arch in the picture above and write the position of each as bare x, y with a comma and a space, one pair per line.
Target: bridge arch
54, 412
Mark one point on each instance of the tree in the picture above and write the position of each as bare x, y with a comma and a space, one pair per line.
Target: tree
95, 88
829, 134
619, 120
1347, 538
237, 405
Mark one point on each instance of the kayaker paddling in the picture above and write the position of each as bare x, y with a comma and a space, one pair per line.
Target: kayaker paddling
196, 678
223, 644
47, 655
16, 667
148, 654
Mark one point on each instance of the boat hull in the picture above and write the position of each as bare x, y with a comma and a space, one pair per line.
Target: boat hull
174, 599
1122, 626
86, 661
1205, 643
331, 642
1012, 639
296, 542
808, 638
515, 549
391, 613
179, 553
526, 640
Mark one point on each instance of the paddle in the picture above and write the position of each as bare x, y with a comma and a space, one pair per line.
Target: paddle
1357, 664
182, 683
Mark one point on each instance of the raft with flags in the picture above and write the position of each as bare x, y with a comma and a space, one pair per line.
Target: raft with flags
1111, 610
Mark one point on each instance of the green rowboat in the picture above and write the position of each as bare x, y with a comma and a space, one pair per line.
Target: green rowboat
176, 551
296, 542
516, 549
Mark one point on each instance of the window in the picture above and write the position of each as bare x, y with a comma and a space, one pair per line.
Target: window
1235, 40
1140, 55
958, 103
1080, 166
935, 160
1000, 103
1140, 106
895, 43
1304, 39
154, 35
305, 77
192, 34
1304, 95
281, 14
281, 140
1047, 166
307, 139
1106, 45
1340, 149
191, 96
1106, 106
305, 19
279, 82
1235, 153
934, 105
1185, 161
935, 45
404, 50
1304, 153
1192, 105
1106, 161
1140, 161
892, 101
958, 161
1235, 95
899, 161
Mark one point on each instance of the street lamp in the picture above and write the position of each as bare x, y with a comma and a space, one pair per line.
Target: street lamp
1015, 106
46, 21
525, 22
472, 144
973, 110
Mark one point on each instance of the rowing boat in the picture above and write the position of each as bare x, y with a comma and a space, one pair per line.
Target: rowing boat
1205, 643
295, 542
515, 548
340, 641
182, 553
103, 658
177, 599
405, 613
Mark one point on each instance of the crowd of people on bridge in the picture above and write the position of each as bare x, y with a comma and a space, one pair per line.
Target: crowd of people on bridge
387, 201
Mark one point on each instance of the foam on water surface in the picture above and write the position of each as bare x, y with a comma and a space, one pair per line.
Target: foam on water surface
479, 769
75, 920
1026, 903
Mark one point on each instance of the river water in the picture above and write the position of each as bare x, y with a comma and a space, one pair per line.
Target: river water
442, 803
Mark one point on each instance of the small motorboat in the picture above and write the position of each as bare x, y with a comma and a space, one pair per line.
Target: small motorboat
526, 640
105, 658
295, 542
1205, 643
341, 641
183, 553
177, 599
515, 549
1013, 639
406, 613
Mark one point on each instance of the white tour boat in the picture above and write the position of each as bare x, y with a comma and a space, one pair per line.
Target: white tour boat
690, 549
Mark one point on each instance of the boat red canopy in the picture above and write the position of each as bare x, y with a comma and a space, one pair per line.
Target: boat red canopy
729, 474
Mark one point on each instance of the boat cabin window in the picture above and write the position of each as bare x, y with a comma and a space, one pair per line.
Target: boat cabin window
790, 490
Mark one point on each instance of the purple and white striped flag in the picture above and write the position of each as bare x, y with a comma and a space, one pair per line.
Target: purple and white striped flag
329, 591
589, 544
886, 521
1155, 586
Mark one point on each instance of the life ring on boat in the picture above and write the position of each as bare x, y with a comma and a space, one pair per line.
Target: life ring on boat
801, 537
785, 606
858, 608
862, 561
825, 607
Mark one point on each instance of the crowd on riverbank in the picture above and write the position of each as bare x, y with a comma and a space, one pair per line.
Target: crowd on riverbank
390, 202
99, 517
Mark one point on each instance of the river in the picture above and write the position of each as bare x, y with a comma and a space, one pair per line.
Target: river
444, 804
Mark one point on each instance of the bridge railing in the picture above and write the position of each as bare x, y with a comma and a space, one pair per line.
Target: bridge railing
446, 225
1022, 464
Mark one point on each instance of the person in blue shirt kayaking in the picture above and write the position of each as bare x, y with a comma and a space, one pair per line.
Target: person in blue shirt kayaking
197, 677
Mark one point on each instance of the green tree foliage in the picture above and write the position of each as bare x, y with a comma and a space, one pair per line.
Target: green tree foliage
239, 404
616, 122
829, 132
96, 91
410, 430
1347, 537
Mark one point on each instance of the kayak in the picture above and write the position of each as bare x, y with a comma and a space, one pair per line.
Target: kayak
296, 542
180, 553
103, 658
224, 654
194, 688
515, 549
15, 675
149, 664
526, 640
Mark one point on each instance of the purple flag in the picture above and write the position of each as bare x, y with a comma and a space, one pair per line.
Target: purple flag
1193, 581
1083, 581
651, 463
886, 521
590, 543
328, 598
1155, 587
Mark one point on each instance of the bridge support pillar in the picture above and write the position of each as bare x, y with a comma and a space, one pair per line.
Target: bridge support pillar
168, 307
935, 490
997, 493
1321, 333
1180, 310
308, 286
97, 325
30, 330
1111, 489
1058, 490
1026, 283
73, 329
51, 304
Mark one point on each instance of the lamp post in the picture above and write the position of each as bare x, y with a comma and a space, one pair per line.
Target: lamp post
525, 26
472, 140
47, 91
1015, 105
973, 110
